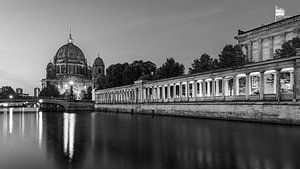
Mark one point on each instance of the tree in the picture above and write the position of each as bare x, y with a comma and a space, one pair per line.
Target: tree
6, 91
137, 69
49, 91
169, 69
288, 49
232, 56
115, 74
101, 82
204, 63
125, 74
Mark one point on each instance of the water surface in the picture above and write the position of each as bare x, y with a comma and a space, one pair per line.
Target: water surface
116, 141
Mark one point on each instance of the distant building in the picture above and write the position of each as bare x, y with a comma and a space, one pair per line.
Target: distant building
260, 43
19, 91
69, 67
36, 92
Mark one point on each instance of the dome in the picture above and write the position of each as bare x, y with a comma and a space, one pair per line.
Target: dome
50, 64
98, 62
69, 53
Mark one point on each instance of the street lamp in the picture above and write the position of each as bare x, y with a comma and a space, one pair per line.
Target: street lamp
10, 97
71, 89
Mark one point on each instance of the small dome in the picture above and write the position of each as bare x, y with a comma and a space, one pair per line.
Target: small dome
98, 62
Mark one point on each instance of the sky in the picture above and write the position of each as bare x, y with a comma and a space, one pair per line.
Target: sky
121, 31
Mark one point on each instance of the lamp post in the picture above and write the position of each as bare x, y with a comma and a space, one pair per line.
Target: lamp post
71, 90
10, 98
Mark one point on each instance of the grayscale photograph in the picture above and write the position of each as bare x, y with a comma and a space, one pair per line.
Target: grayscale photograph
149, 84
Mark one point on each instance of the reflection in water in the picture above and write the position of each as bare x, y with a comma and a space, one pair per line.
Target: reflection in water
69, 134
98, 140
11, 122
40, 128
5, 123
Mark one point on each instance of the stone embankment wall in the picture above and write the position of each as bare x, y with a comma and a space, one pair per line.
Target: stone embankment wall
282, 113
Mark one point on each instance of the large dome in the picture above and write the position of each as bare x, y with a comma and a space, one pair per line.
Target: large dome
69, 53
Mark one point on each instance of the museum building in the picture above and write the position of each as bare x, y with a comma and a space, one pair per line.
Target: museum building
70, 69
264, 78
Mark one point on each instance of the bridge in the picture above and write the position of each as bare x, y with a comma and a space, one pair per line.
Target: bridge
49, 104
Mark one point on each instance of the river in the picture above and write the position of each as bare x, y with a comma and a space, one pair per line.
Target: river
33, 139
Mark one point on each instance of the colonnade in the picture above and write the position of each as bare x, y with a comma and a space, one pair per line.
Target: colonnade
266, 83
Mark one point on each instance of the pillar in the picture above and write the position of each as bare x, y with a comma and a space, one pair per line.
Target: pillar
247, 85
213, 88
208, 88
260, 50
261, 85
234, 86
278, 85
204, 88
169, 91
293, 81
223, 87
200, 89
195, 88
180, 89
271, 46
187, 90
217, 87
174, 90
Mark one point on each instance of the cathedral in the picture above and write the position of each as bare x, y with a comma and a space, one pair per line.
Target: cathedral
69, 69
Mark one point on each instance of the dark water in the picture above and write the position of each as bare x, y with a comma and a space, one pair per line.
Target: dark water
116, 141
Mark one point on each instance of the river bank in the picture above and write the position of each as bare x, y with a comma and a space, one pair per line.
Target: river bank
262, 112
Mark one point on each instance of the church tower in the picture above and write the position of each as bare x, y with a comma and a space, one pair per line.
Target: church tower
98, 71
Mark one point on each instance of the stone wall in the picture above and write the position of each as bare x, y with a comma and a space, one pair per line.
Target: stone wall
282, 113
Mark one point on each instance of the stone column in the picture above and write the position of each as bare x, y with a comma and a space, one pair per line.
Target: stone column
261, 85
204, 88
187, 90
293, 80
153, 94
260, 49
213, 88
271, 47
169, 92
217, 87
195, 89
237, 85
180, 90
200, 89
223, 87
234, 87
278, 85
158, 92
163, 92
247, 85
174, 90
208, 88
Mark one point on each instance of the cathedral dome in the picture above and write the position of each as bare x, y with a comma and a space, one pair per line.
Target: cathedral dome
98, 62
69, 52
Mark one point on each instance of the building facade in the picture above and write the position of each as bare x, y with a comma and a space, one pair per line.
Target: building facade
70, 70
36, 91
259, 44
